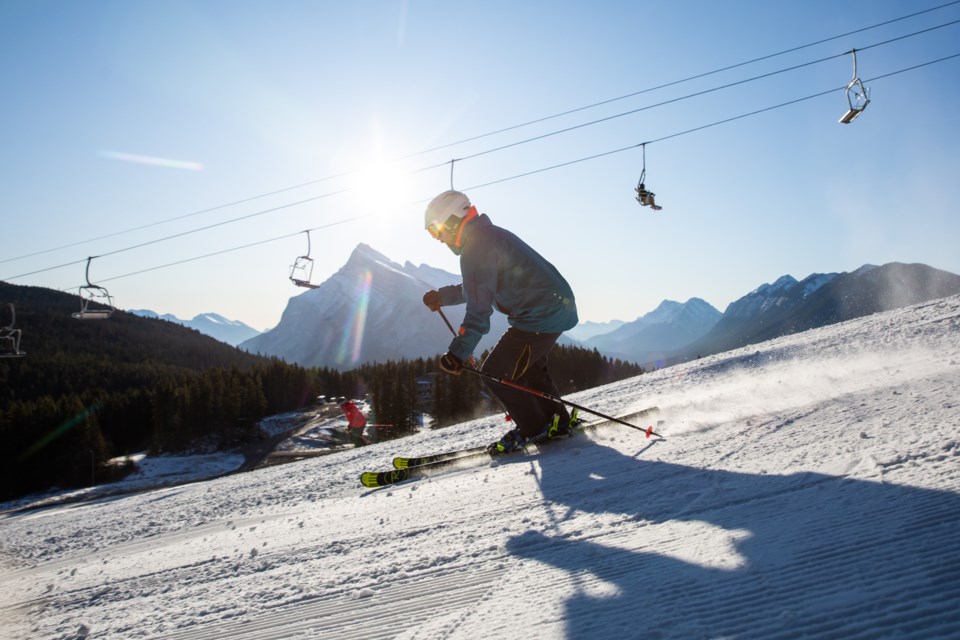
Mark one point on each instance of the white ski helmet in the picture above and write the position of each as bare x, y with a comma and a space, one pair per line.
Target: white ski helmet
447, 205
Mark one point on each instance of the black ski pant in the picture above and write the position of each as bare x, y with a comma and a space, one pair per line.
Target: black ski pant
521, 357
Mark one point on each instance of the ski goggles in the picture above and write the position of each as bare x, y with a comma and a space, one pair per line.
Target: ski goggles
435, 228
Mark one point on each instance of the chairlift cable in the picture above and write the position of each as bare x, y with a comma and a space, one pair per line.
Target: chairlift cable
498, 181
545, 169
695, 94
185, 233
501, 148
681, 81
231, 249
706, 126
491, 133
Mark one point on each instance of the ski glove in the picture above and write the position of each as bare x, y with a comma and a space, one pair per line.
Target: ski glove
451, 363
432, 300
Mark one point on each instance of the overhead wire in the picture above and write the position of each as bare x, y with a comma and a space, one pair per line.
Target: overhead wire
683, 80
503, 147
184, 233
701, 93
510, 128
231, 249
707, 126
570, 162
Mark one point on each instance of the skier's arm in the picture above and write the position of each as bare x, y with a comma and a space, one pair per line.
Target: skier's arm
451, 295
479, 288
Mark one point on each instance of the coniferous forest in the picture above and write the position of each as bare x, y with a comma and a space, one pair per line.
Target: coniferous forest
90, 391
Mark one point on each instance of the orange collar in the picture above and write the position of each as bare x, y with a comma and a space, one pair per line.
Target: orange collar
471, 214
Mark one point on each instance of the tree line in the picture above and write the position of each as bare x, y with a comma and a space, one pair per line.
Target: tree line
90, 392
402, 392
101, 410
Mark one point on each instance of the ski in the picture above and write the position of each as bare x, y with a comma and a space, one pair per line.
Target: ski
428, 464
375, 479
406, 463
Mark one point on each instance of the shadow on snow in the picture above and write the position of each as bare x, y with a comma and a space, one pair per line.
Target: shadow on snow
819, 555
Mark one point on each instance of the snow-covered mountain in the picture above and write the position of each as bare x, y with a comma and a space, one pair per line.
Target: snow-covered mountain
649, 338
232, 332
371, 310
785, 292
808, 487
788, 306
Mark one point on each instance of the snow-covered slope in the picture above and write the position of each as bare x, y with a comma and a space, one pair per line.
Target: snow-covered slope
807, 487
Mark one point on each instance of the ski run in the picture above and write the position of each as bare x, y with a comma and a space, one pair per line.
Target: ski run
805, 487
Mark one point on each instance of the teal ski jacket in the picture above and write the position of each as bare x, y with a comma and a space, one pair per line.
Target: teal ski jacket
500, 270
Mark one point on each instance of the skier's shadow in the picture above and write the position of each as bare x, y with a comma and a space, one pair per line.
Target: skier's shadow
806, 554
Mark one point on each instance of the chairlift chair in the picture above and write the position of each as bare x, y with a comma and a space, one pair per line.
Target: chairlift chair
302, 269
91, 294
858, 96
644, 196
10, 337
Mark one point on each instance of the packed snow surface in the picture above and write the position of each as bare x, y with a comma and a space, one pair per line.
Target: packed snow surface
806, 487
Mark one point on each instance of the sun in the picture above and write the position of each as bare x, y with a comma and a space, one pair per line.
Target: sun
381, 176
380, 185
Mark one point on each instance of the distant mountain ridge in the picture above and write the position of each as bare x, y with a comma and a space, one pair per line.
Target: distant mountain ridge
650, 338
233, 332
586, 330
371, 311
788, 306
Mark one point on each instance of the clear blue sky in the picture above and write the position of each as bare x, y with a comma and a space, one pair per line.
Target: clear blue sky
234, 99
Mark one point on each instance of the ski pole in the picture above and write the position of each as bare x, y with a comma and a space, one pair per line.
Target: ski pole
510, 383
472, 361
449, 326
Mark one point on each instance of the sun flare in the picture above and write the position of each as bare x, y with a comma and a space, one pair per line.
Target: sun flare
381, 186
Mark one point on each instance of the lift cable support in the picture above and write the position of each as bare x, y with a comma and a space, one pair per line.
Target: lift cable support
91, 294
645, 197
858, 96
10, 337
452, 163
302, 269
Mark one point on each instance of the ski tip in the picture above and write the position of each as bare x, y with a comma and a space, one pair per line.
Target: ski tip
401, 463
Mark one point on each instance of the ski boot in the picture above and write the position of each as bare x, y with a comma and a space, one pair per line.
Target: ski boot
511, 441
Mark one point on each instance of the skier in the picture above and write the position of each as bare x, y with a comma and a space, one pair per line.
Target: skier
647, 198
356, 422
500, 270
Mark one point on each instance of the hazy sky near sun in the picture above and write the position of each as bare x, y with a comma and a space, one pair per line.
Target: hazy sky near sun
154, 133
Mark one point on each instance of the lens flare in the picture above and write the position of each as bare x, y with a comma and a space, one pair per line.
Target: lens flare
352, 340
59, 431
